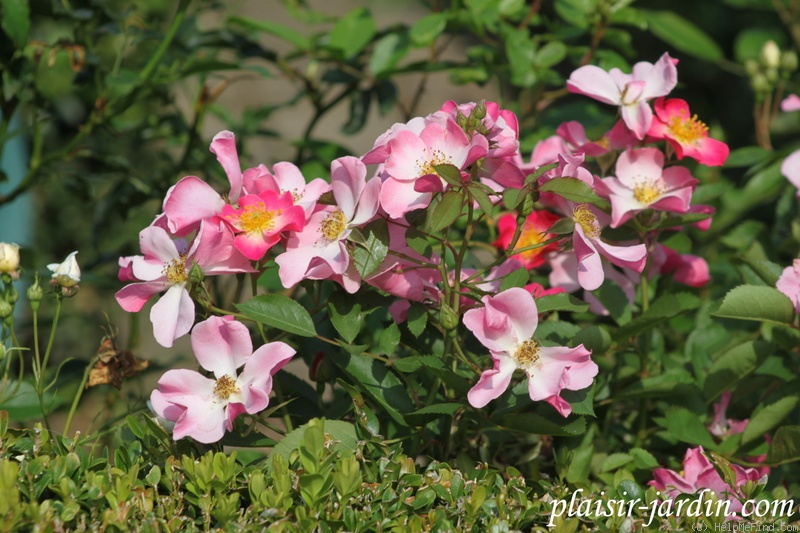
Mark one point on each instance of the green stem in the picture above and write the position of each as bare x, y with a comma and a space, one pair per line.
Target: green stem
52, 338
79, 394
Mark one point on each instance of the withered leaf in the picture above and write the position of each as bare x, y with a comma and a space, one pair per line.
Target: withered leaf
113, 365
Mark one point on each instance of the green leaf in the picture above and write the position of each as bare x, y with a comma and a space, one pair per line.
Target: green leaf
644, 459
785, 446
551, 54
449, 173
446, 211
359, 112
353, 32
685, 426
343, 434
733, 366
425, 31
582, 401
560, 302
754, 302
480, 196
517, 278
615, 301
16, 21
683, 35
572, 189
281, 31
378, 381
768, 418
346, 315
661, 310
594, 338
746, 157
410, 364
426, 414
369, 256
521, 53
576, 12
279, 312
539, 425
389, 338
388, 51
417, 319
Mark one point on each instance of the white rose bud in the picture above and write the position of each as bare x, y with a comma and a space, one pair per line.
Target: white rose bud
770, 55
9, 258
66, 274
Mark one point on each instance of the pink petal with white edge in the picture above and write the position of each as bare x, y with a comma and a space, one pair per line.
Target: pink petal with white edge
633, 257
594, 82
223, 145
519, 306
790, 168
789, 283
221, 345
213, 250
348, 179
188, 202
258, 372
187, 398
590, 265
368, 202
133, 297
406, 149
254, 245
492, 383
580, 370
638, 118
172, 316
399, 197
452, 142
560, 404
634, 164
660, 78
156, 243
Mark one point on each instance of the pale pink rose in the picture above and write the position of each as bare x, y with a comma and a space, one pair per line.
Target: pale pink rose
791, 103
204, 408
505, 325
642, 183
319, 250
789, 283
165, 266
699, 474
790, 168
686, 269
628, 91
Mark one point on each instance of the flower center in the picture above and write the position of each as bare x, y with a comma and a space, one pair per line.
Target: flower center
687, 130
334, 225
225, 386
256, 219
647, 192
438, 157
583, 216
530, 236
527, 353
175, 270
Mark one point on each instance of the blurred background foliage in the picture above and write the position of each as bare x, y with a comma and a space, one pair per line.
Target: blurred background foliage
118, 100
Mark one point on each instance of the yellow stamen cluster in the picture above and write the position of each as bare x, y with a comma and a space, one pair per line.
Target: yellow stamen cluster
527, 353
437, 158
647, 192
530, 236
584, 217
175, 270
256, 219
334, 225
687, 130
225, 386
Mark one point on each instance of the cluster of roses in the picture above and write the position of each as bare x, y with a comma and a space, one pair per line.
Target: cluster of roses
313, 225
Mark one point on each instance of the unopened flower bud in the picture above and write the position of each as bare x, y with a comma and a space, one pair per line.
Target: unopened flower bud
9, 258
760, 83
479, 111
789, 61
66, 274
751, 67
770, 54
11, 295
196, 274
35, 294
447, 317
5, 309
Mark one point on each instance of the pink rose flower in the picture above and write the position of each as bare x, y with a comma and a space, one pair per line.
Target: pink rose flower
505, 325
203, 408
